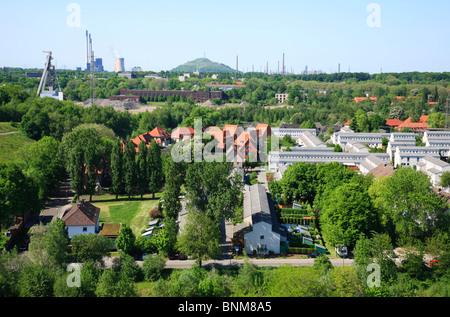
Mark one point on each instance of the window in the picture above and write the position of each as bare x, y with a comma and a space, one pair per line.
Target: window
84, 229
261, 237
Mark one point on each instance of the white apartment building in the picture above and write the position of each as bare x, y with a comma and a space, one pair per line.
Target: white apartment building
434, 168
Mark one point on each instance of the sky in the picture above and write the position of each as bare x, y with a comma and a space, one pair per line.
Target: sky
361, 35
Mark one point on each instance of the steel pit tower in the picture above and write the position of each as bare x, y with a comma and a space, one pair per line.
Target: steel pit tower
50, 74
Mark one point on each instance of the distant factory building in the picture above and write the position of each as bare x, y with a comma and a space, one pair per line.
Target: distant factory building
199, 96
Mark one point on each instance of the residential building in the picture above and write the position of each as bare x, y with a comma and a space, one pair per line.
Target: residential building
293, 133
436, 138
373, 140
434, 168
422, 125
277, 159
281, 98
261, 231
161, 136
308, 139
81, 218
370, 163
392, 147
412, 155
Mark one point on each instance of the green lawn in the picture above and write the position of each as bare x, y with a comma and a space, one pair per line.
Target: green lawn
8, 126
12, 146
134, 212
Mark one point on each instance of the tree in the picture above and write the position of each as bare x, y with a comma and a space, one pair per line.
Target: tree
153, 267
347, 212
172, 191
436, 120
36, 281
155, 168
112, 284
76, 170
407, 204
92, 247
91, 162
117, 184
338, 148
18, 194
200, 237
125, 240
346, 282
445, 179
130, 169
44, 164
142, 167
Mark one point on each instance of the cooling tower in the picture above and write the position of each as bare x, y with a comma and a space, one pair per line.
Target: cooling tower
119, 65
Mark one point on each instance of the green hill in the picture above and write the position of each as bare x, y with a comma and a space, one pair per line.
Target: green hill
12, 145
203, 65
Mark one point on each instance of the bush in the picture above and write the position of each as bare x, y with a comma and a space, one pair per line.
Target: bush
294, 250
153, 267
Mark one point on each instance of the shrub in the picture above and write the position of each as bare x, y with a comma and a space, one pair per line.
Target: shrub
295, 250
153, 267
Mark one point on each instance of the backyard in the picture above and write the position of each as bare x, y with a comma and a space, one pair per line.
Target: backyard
134, 212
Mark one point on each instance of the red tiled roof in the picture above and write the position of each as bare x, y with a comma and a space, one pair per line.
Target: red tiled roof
81, 214
159, 132
393, 122
359, 99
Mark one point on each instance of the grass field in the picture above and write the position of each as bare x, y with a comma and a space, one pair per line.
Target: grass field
8, 126
134, 212
12, 146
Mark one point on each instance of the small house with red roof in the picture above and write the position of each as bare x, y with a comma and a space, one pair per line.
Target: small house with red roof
81, 218
161, 136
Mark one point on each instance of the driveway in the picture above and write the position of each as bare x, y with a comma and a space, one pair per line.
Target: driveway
59, 201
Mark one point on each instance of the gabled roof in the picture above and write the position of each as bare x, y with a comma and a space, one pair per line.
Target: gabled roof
393, 122
159, 132
81, 214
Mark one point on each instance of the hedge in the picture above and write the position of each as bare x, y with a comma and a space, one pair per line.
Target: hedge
293, 250
294, 211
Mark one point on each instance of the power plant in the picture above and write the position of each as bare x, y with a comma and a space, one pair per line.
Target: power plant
92, 64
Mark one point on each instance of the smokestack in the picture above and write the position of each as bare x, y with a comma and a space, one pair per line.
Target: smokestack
87, 49
237, 64
283, 64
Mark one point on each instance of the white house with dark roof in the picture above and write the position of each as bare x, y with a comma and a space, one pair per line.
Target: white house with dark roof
82, 218
260, 229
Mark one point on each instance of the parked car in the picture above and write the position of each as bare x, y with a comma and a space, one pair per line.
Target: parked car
314, 255
182, 257
342, 250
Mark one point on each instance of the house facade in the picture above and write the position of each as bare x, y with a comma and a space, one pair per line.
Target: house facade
260, 229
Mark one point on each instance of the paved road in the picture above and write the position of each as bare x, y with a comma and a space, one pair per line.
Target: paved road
257, 262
